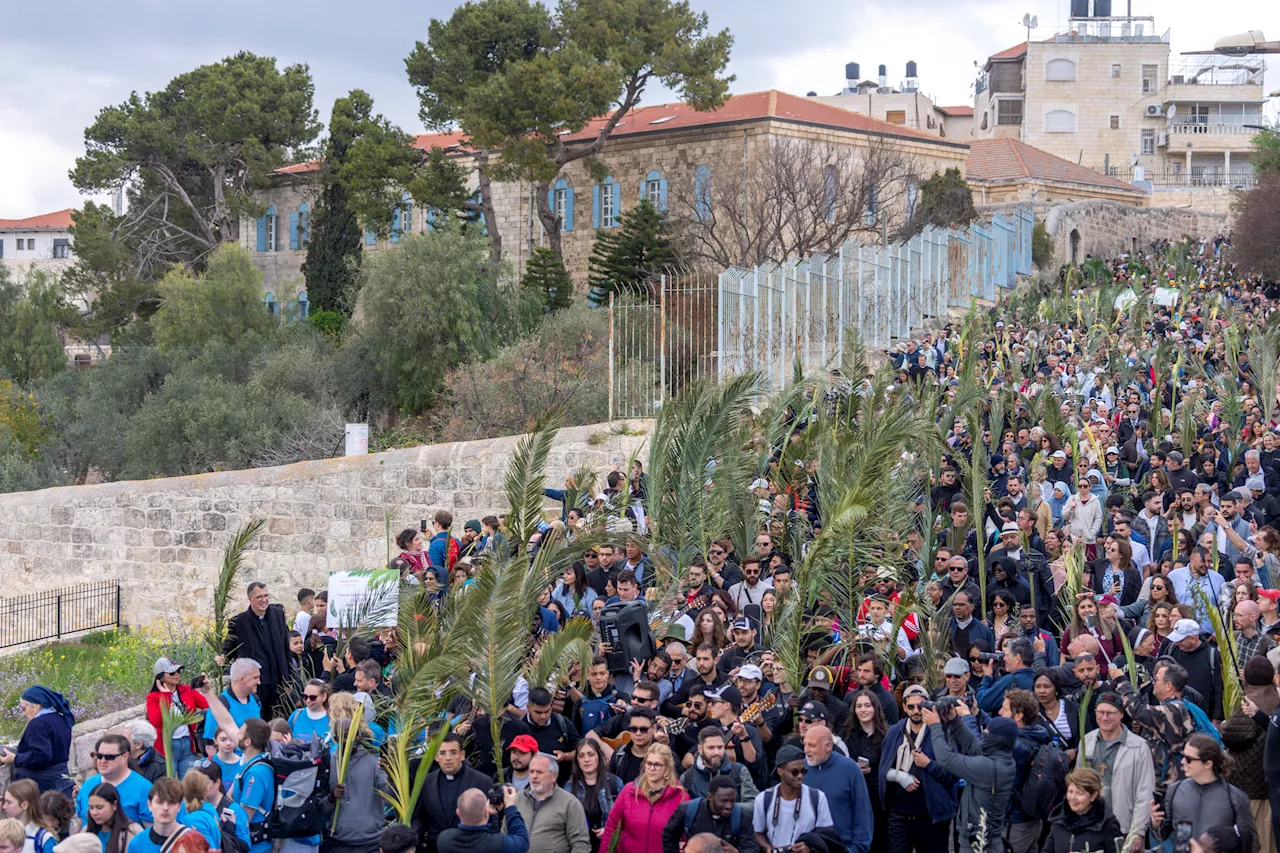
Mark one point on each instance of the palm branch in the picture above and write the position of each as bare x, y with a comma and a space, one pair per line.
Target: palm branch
1232, 692
229, 579
526, 482
1264, 368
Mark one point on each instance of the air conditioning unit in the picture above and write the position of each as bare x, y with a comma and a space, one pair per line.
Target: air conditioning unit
1162, 140
1154, 111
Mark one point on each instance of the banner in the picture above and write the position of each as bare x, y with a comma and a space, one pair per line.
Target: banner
369, 598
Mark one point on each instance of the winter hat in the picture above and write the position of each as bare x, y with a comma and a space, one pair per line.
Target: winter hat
1002, 729
1259, 672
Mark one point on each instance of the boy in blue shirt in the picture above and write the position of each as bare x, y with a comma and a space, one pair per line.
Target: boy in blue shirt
111, 757
163, 802
254, 789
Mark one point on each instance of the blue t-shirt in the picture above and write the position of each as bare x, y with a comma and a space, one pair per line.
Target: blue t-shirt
255, 789
205, 821
306, 729
149, 841
133, 790
229, 771
240, 711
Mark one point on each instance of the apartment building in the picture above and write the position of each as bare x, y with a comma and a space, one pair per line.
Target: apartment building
904, 104
1105, 95
42, 242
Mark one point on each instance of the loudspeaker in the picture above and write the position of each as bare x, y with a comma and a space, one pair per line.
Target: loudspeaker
625, 627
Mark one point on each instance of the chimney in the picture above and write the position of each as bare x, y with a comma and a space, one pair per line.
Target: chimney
884, 77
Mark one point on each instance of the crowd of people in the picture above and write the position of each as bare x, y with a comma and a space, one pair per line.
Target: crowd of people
1087, 661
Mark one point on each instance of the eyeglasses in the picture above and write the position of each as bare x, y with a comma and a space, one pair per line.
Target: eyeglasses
643, 700
915, 707
104, 756
636, 730
654, 765
952, 675
716, 551
796, 771
1191, 758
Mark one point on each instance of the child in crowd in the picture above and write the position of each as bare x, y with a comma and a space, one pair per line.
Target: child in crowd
227, 759
22, 803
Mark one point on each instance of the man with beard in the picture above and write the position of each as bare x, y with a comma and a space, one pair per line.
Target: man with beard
522, 751
712, 760
704, 661
555, 735
605, 570
744, 644
870, 675
821, 682
718, 817
768, 722
918, 794
695, 711
724, 704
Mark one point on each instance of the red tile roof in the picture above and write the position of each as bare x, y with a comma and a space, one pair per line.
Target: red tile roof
753, 106
1012, 160
425, 141
1010, 53
57, 221
957, 110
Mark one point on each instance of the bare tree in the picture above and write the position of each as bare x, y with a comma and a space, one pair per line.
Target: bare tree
794, 199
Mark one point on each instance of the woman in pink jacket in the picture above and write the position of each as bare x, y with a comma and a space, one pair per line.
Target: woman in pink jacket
645, 805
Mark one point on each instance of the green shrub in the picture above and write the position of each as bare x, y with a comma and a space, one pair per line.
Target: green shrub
1041, 245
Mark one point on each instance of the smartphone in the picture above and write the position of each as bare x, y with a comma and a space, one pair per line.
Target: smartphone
862, 762
1091, 621
1182, 837
422, 527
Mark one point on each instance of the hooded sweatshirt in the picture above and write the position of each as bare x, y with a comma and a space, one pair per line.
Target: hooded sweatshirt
988, 770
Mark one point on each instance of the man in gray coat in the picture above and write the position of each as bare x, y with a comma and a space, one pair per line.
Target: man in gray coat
553, 817
987, 767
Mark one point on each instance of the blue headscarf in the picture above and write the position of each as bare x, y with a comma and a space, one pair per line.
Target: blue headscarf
46, 698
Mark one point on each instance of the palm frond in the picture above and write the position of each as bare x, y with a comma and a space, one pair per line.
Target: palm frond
229, 578
1264, 368
526, 482
1232, 691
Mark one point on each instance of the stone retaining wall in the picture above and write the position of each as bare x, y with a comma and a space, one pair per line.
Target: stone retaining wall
1106, 229
163, 539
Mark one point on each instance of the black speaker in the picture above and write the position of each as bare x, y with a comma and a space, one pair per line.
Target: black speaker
625, 627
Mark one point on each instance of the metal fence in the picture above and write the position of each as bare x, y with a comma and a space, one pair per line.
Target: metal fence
58, 612
774, 315
659, 340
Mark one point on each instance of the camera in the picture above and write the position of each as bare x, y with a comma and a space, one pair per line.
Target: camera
496, 795
946, 703
990, 657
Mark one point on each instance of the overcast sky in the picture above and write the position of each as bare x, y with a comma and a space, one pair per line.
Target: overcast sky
63, 60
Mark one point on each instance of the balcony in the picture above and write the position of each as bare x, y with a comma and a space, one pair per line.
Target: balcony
1208, 135
1200, 177
1215, 79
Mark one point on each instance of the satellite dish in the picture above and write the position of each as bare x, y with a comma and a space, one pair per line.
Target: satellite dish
1035, 22
1133, 159
1172, 111
1026, 20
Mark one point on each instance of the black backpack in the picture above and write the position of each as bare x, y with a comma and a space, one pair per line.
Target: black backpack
1046, 783
231, 842
300, 775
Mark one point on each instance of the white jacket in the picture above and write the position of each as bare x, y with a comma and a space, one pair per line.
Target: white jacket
1084, 521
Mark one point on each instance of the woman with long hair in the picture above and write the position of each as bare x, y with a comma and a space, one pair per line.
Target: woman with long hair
311, 721
594, 786
864, 737
107, 820
645, 806
42, 751
572, 592
1115, 574
198, 814
708, 628
22, 803
1159, 590
1004, 615
1104, 628
169, 695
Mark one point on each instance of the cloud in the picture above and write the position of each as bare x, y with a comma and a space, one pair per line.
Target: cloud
58, 77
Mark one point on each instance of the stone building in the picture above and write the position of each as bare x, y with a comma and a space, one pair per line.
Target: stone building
1104, 95
1007, 170
661, 152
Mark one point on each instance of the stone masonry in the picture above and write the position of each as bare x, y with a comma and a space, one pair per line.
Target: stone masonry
163, 539
1106, 228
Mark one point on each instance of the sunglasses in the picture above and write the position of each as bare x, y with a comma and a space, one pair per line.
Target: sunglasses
796, 771
715, 551
312, 697
636, 730
591, 554
104, 756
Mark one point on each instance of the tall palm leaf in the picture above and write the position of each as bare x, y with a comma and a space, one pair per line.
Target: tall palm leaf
1264, 368
526, 481
229, 578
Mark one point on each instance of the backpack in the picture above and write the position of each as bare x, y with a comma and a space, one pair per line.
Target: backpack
231, 840
40, 838
1046, 783
300, 776
735, 817
594, 712
1202, 723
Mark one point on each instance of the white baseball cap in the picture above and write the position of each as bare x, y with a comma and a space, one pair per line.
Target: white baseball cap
1184, 628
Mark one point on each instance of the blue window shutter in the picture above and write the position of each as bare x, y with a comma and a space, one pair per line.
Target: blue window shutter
662, 194
568, 210
551, 199
431, 219
370, 237
643, 183
595, 206
262, 233
395, 225
293, 230
617, 203
304, 223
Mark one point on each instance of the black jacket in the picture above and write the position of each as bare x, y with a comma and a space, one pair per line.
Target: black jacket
433, 815
151, 767
1132, 582
1096, 829
474, 839
703, 821
265, 640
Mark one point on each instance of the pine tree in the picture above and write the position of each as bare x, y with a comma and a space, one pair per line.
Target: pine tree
545, 273
625, 259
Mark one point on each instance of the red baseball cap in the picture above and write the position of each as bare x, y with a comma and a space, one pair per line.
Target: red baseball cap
525, 743
1273, 594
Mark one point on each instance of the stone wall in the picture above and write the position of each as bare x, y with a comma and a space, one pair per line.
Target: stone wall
1106, 228
163, 539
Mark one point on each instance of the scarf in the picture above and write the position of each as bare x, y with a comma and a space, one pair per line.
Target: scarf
902, 761
56, 702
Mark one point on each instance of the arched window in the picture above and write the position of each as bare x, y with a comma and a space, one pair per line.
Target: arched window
702, 193
654, 188
1062, 70
606, 203
304, 306
1060, 121
270, 301
560, 198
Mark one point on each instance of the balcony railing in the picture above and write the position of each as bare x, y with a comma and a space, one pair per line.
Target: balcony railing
1207, 127
1218, 71
1200, 178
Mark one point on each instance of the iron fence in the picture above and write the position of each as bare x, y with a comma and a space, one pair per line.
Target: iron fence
56, 613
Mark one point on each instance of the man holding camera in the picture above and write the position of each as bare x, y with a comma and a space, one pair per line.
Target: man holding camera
473, 833
986, 765
918, 793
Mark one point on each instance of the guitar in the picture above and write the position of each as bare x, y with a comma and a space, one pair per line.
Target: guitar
672, 728
758, 707
659, 622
